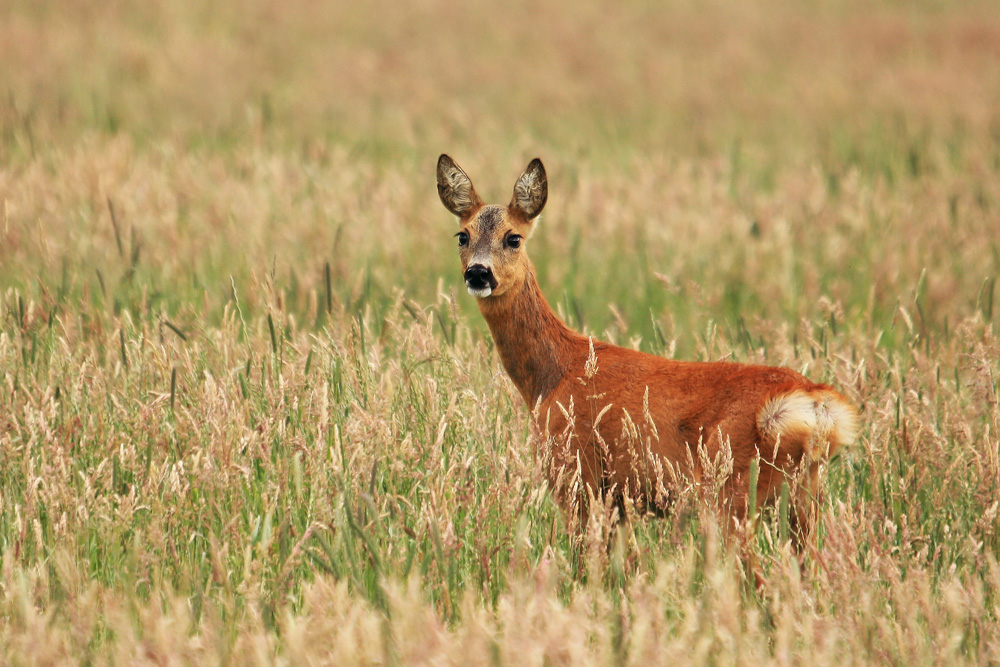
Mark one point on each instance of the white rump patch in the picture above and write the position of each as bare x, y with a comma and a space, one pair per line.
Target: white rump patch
822, 417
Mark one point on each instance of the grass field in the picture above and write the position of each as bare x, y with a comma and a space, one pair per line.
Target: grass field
249, 415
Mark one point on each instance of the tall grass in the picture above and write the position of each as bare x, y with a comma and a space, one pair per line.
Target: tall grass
249, 415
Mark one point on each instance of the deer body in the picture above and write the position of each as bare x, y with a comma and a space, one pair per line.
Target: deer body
621, 421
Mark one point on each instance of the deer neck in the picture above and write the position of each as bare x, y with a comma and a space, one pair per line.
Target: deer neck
535, 347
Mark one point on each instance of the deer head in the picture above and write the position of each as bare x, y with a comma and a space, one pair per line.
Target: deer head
491, 238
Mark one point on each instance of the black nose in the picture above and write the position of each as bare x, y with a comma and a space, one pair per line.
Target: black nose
478, 276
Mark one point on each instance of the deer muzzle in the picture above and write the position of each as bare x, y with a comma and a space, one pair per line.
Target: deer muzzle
480, 281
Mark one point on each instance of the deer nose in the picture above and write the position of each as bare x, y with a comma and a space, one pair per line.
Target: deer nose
480, 277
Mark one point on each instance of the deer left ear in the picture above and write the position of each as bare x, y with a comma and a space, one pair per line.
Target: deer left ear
531, 191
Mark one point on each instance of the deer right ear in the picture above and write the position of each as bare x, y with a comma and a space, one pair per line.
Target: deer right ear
455, 188
531, 191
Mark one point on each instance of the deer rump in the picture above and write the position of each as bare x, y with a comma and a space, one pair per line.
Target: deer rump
640, 425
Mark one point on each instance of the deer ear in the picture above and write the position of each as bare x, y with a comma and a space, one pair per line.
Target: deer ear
455, 188
531, 191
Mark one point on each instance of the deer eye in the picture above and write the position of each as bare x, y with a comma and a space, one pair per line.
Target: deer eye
463, 239
513, 241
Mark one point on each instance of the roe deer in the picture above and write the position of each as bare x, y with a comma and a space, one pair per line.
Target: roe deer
624, 423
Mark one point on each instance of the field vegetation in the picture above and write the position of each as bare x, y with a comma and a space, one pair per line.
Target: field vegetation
249, 415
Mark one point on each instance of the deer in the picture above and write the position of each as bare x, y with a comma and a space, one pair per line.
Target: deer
620, 423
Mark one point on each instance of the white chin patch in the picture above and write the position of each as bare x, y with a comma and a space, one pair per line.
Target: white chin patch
480, 293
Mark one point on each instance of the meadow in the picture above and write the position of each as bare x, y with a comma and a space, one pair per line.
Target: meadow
249, 414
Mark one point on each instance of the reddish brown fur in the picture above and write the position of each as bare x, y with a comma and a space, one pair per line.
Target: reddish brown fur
661, 411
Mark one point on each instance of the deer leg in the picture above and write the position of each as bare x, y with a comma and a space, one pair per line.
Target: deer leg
803, 513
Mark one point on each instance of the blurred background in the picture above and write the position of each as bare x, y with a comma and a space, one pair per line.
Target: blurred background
292, 136
577, 78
